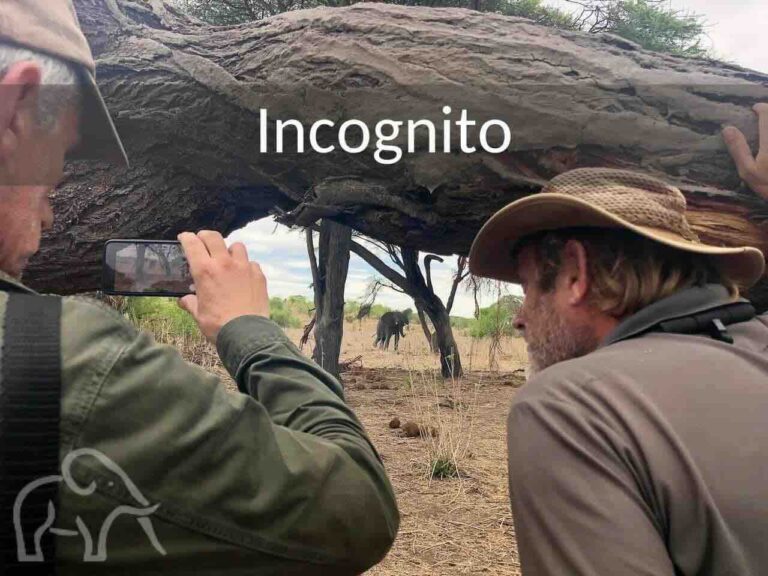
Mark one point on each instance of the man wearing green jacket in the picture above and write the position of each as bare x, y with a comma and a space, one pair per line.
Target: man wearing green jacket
186, 476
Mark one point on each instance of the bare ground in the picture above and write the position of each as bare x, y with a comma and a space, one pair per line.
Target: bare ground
459, 525
449, 526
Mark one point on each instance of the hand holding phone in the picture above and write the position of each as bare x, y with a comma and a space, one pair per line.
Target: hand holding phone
227, 284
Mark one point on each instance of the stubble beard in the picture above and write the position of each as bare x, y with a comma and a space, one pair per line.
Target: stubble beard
552, 340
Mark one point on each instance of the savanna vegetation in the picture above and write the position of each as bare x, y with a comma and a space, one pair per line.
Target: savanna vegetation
653, 24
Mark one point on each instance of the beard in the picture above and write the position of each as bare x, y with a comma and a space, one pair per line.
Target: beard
551, 339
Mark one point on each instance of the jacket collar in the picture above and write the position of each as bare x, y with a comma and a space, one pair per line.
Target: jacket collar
10, 284
684, 303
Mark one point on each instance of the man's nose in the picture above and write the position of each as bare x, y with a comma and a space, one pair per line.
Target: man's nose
518, 322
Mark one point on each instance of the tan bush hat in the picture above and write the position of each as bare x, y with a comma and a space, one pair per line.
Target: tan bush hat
51, 27
604, 198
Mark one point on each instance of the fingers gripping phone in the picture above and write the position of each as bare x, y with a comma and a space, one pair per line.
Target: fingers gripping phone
146, 268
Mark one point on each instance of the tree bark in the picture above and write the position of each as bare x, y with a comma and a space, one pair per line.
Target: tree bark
333, 264
425, 329
424, 295
186, 98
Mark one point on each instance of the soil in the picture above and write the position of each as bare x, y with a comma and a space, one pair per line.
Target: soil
460, 524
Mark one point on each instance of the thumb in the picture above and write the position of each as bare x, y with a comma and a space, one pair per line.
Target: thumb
189, 303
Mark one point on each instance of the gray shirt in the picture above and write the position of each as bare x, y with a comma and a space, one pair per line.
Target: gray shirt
647, 456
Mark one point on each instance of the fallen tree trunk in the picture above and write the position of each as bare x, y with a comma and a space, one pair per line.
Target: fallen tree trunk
186, 97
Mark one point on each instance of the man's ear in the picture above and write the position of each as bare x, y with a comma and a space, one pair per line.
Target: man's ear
576, 272
19, 92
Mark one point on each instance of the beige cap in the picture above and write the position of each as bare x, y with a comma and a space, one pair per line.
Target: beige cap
51, 27
604, 198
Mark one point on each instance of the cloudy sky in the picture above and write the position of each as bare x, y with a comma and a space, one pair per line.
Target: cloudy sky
737, 32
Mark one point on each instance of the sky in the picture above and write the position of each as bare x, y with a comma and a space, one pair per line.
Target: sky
737, 31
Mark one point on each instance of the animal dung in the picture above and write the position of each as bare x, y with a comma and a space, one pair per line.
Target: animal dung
413, 430
394, 423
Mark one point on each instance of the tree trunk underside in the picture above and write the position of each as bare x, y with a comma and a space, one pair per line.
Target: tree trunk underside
186, 98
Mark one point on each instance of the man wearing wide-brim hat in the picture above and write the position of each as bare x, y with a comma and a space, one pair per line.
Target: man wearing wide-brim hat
638, 445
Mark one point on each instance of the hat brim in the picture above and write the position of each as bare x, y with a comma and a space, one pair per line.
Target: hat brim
98, 136
491, 252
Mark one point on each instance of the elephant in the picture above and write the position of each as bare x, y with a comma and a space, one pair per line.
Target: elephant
94, 551
391, 324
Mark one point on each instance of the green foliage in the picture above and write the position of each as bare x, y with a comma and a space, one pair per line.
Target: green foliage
160, 315
352, 307
532, 9
378, 310
497, 319
288, 312
461, 323
442, 468
650, 23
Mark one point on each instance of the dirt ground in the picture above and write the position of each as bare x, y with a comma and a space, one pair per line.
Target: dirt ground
459, 525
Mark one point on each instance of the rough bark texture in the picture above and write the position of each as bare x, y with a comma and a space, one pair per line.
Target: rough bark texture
332, 267
185, 97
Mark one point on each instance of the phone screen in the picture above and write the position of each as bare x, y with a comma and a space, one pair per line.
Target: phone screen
146, 268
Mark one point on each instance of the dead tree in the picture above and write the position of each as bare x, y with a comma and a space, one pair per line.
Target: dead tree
186, 98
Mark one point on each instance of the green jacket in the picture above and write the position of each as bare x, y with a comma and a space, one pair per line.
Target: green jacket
280, 479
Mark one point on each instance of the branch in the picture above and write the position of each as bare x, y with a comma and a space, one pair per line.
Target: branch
428, 268
377, 264
313, 266
458, 278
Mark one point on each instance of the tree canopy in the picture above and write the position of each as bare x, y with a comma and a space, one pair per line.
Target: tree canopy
650, 23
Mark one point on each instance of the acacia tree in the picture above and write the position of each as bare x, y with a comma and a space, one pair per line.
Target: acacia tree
407, 276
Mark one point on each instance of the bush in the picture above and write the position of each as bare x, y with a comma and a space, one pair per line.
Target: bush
161, 314
461, 323
282, 313
352, 308
497, 319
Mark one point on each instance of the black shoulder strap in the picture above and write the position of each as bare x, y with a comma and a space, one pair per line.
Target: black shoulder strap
30, 403
711, 322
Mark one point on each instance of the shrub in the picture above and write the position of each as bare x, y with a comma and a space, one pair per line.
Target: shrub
161, 314
497, 319
281, 313
461, 323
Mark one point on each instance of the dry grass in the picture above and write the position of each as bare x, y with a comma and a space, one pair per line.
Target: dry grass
414, 351
457, 525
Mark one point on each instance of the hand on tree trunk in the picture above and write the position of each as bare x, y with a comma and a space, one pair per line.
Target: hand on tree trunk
752, 169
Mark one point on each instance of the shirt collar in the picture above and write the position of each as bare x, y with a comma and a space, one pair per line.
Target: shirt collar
11, 284
684, 303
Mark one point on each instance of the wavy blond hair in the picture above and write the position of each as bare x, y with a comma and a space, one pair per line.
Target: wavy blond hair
627, 271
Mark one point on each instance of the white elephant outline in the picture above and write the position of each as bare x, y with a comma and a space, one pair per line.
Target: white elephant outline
100, 555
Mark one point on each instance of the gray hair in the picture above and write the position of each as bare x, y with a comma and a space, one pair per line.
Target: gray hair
60, 81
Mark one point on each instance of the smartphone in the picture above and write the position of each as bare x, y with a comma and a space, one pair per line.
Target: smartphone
146, 268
